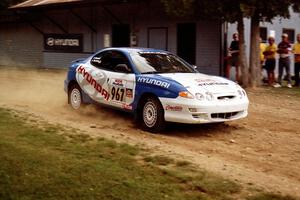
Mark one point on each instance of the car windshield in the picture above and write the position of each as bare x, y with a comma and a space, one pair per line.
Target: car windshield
157, 62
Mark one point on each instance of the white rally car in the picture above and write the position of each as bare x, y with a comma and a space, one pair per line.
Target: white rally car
155, 85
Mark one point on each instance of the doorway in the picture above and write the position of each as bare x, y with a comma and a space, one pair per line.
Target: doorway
186, 42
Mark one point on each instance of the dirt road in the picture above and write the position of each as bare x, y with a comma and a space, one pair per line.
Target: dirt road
262, 150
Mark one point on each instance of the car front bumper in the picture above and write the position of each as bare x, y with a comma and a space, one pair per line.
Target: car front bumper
192, 111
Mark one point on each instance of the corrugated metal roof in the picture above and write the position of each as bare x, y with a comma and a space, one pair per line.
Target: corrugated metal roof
36, 3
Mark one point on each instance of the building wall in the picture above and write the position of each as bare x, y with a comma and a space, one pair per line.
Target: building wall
208, 38
20, 45
209, 47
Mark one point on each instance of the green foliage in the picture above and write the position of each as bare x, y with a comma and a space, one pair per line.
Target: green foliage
204, 9
179, 7
230, 10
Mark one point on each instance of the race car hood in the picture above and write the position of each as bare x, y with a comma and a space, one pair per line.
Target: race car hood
197, 82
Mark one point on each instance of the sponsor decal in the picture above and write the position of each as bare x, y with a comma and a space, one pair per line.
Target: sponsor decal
118, 82
96, 60
210, 84
174, 108
198, 80
129, 93
96, 82
127, 107
153, 82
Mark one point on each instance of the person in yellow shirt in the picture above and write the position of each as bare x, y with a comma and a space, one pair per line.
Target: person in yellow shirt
296, 52
270, 56
262, 47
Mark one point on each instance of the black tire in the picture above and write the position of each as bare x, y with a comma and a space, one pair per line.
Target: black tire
152, 115
75, 97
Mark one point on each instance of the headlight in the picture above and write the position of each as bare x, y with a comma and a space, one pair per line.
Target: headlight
241, 93
200, 96
208, 96
186, 94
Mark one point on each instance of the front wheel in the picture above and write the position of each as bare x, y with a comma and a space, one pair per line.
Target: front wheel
75, 97
152, 115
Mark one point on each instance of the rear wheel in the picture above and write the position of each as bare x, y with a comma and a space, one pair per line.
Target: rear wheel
152, 115
75, 96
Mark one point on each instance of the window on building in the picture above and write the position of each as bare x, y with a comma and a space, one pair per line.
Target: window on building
291, 34
263, 34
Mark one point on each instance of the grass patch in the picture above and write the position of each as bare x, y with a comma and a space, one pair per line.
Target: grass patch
39, 162
183, 163
206, 183
159, 160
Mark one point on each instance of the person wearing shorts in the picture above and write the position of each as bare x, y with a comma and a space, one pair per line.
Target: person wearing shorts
234, 52
296, 52
270, 56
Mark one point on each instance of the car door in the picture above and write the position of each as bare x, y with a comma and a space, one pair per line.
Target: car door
93, 80
114, 73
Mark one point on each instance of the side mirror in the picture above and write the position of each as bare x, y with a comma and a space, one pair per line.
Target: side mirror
122, 68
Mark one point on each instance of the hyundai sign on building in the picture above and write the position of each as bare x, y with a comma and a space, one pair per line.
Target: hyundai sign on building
63, 42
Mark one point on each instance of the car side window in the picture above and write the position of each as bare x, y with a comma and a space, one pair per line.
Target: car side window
112, 61
120, 63
102, 60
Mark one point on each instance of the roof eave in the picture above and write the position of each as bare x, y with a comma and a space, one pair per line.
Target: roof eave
62, 5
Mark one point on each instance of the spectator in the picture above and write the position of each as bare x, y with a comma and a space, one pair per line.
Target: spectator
284, 47
270, 56
262, 47
234, 52
296, 52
